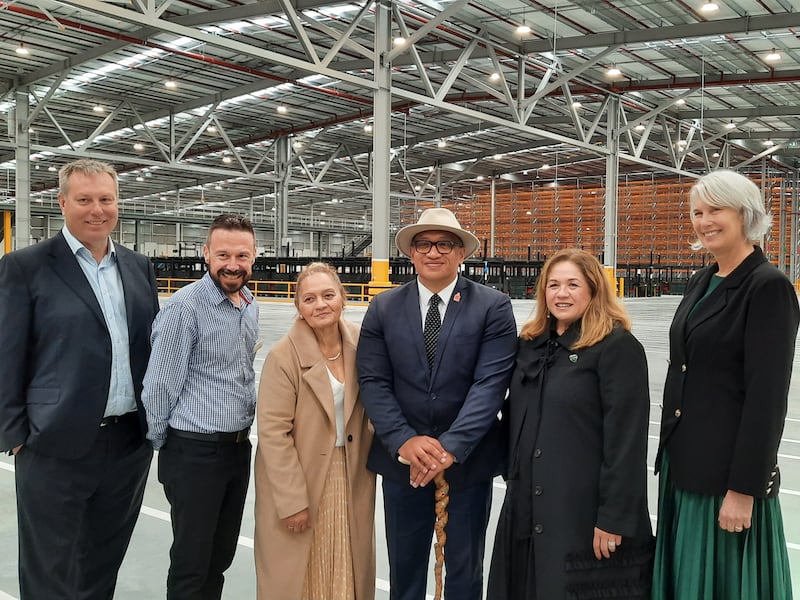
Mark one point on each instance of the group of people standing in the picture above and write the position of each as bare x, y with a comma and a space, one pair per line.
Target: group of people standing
435, 385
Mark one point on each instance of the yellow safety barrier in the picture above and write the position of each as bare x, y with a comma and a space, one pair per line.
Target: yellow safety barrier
280, 290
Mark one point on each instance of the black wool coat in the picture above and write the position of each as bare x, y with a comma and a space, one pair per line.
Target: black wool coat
578, 423
728, 380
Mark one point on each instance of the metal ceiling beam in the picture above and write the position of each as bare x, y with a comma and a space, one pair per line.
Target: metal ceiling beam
662, 34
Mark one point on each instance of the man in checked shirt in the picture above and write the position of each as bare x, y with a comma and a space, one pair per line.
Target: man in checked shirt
200, 396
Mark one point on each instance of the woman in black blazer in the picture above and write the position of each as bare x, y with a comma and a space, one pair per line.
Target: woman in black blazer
720, 530
574, 524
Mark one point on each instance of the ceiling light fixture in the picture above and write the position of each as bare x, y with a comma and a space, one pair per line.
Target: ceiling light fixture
368, 128
640, 127
479, 178
211, 129
138, 146
282, 109
773, 56
170, 84
497, 156
613, 71
523, 29
399, 41
441, 143
494, 76
680, 101
769, 143
227, 159
21, 50
576, 105
98, 108
730, 125
709, 7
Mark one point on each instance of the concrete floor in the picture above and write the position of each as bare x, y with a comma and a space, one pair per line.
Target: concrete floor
144, 571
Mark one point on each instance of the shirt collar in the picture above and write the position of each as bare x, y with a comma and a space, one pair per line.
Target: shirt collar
75, 244
425, 294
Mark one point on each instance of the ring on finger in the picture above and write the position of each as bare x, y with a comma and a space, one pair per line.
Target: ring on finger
738, 528
612, 544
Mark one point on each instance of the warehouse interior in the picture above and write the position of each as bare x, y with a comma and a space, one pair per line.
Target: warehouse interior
331, 124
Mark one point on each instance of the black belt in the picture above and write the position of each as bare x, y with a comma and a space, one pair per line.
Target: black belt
131, 417
232, 437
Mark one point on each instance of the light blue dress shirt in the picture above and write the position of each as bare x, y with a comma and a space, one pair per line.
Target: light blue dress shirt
200, 377
106, 283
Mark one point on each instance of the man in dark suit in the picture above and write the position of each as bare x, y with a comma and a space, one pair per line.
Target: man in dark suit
434, 360
76, 311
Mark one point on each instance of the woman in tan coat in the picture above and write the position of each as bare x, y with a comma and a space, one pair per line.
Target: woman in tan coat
315, 499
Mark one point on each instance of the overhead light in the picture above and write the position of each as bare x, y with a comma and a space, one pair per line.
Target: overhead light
545, 167
497, 156
773, 56
138, 146
576, 105
680, 101
297, 145
640, 127
479, 178
140, 179
227, 159
368, 128
170, 84
494, 76
730, 125
322, 213
523, 29
218, 187
614, 71
98, 108
282, 109
399, 41
715, 155
21, 50
51, 168
441, 143
709, 7
211, 129
417, 188
769, 143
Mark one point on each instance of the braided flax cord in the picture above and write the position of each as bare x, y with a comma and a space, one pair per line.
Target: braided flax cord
442, 497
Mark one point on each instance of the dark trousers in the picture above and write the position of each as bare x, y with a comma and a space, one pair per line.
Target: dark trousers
410, 517
76, 517
206, 485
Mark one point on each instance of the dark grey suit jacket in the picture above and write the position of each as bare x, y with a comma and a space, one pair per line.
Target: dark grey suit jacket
55, 349
458, 401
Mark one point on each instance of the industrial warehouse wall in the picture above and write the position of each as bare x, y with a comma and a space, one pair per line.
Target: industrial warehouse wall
653, 226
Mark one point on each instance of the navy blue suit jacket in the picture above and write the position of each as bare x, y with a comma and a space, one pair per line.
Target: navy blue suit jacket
55, 349
458, 400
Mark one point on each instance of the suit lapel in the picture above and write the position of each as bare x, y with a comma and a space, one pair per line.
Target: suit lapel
305, 344
66, 267
126, 274
413, 316
457, 299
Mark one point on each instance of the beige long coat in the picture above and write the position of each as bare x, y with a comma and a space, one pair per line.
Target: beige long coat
296, 439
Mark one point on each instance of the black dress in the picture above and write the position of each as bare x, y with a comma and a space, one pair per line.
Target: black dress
578, 425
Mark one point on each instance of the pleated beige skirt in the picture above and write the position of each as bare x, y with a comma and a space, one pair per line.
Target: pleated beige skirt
330, 565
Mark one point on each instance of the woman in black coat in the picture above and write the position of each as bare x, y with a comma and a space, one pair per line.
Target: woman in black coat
575, 523
720, 530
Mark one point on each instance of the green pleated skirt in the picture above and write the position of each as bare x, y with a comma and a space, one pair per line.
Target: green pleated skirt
695, 559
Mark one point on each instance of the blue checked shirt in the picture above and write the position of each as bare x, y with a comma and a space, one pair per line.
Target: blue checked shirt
106, 283
200, 377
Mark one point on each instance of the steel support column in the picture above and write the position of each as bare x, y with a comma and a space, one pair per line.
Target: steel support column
381, 148
612, 188
492, 212
283, 169
22, 149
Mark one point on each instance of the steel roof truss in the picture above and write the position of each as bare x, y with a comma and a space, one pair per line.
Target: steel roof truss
297, 27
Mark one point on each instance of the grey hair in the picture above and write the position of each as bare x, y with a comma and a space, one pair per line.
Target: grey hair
725, 188
85, 166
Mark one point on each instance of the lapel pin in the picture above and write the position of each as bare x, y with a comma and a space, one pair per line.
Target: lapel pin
573, 358
457, 297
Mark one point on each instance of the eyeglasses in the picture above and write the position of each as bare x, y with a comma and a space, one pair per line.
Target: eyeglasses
442, 246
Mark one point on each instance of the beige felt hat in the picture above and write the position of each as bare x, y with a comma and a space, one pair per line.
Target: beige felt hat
436, 219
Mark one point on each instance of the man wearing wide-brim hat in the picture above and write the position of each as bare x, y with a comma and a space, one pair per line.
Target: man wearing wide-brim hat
434, 359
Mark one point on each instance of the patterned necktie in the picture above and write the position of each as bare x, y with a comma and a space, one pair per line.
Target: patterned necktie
433, 322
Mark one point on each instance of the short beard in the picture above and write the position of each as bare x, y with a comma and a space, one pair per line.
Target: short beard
232, 288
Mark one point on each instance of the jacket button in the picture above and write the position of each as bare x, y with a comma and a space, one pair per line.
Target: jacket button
537, 453
350, 438
683, 368
677, 412
538, 528
537, 490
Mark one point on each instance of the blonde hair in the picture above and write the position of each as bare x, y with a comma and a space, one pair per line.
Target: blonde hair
603, 313
319, 267
85, 166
